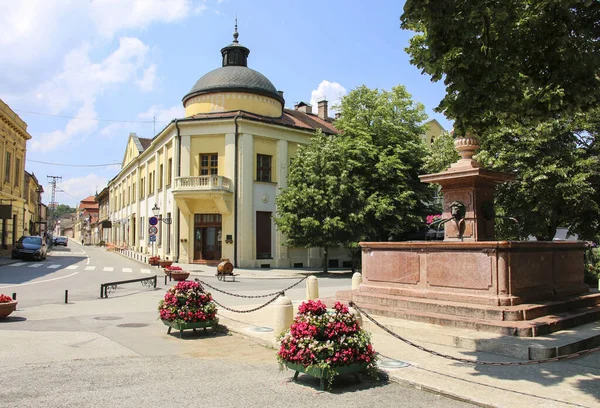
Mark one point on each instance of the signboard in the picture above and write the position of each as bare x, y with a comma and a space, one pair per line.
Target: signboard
153, 220
152, 230
152, 238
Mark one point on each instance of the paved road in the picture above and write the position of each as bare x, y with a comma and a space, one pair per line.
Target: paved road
114, 352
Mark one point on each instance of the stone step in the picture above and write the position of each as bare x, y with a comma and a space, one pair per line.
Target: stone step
427, 335
483, 312
529, 328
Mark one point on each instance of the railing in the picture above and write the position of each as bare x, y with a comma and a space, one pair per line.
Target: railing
110, 287
206, 183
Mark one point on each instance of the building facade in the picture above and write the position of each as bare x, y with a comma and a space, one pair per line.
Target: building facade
13, 147
104, 225
33, 223
210, 179
85, 230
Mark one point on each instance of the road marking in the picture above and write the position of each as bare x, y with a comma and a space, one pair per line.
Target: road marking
34, 283
108, 269
128, 270
72, 267
35, 265
89, 268
53, 266
18, 264
146, 271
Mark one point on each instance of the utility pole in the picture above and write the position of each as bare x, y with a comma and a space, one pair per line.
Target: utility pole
53, 180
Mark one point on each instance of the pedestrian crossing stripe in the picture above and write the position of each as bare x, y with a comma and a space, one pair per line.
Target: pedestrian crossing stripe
53, 266
76, 266
147, 271
35, 265
89, 268
108, 269
128, 270
72, 267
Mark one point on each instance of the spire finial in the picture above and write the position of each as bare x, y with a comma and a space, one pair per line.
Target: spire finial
235, 33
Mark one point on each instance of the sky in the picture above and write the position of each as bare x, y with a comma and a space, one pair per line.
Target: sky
83, 74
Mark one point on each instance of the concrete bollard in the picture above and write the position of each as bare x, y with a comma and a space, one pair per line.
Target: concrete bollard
356, 280
284, 315
312, 288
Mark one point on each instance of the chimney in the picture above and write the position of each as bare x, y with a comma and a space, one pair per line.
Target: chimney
322, 109
303, 107
280, 93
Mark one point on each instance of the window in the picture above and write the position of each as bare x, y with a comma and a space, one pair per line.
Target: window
263, 168
7, 165
170, 172
151, 182
169, 234
209, 164
134, 191
160, 177
17, 171
142, 192
263, 235
142, 227
128, 195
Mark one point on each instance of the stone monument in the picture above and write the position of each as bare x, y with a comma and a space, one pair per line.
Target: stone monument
471, 280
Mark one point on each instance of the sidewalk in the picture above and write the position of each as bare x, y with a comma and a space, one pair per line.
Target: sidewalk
570, 383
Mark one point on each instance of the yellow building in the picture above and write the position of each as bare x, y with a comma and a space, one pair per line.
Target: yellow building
33, 222
204, 188
211, 178
13, 140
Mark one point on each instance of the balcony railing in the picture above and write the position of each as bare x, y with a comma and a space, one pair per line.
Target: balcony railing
203, 183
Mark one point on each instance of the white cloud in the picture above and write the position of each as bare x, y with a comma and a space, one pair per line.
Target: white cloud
146, 82
163, 114
73, 190
75, 127
332, 91
112, 16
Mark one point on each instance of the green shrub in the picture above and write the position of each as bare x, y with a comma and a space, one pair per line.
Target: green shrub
592, 264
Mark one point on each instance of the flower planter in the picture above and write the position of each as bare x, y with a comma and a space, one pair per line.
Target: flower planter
7, 308
192, 325
322, 374
179, 275
154, 261
165, 264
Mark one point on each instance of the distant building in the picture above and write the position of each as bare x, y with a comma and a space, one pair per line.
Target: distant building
33, 223
87, 219
104, 224
13, 147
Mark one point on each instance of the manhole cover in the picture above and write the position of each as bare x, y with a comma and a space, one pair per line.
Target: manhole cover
132, 325
261, 329
392, 364
107, 318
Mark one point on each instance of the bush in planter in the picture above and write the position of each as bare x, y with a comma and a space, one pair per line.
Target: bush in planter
185, 303
154, 260
326, 340
7, 305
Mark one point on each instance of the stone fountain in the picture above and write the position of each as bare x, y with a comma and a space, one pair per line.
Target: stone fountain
470, 280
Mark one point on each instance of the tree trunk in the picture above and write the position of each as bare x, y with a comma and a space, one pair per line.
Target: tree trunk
325, 259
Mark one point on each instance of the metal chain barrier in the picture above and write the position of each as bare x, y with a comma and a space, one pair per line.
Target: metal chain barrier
251, 296
470, 361
250, 310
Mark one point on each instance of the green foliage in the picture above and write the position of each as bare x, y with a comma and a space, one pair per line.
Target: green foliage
521, 61
63, 209
556, 167
362, 184
440, 154
592, 264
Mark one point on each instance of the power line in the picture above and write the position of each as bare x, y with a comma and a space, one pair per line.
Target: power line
74, 165
98, 120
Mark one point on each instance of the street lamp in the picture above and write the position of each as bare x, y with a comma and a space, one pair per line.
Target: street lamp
156, 211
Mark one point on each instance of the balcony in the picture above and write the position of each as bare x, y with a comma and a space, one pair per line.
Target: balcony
202, 183
200, 194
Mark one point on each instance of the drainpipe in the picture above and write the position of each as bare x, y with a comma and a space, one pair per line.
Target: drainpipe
235, 193
176, 226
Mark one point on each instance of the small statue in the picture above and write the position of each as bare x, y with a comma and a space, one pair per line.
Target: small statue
457, 210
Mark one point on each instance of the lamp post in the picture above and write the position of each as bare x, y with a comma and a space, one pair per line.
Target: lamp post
156, 212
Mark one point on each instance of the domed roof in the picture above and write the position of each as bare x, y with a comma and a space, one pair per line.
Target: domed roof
234, 78
234, 75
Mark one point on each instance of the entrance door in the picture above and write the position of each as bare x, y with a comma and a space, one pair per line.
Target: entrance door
207, 237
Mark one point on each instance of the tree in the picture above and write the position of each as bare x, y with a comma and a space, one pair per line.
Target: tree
63, 209
440, 154
319, 206
519, 62
392, 124
556, 166
363, 183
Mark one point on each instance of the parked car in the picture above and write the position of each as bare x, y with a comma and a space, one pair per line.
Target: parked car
61, 241
29, 247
